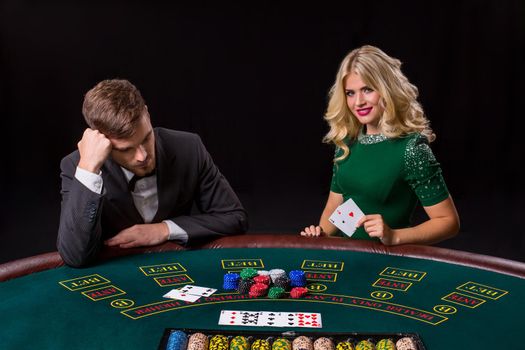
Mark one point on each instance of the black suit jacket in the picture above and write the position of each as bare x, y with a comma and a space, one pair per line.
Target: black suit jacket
186, 174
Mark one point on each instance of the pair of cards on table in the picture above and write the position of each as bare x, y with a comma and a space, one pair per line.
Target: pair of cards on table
346, 216
190, 293
270, 319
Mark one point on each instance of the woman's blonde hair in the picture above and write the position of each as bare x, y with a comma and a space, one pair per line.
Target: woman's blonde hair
402, 112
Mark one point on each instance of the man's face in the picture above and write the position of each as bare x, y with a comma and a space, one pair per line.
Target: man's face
137, 152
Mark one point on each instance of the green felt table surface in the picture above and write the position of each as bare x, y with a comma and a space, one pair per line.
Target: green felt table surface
119, 304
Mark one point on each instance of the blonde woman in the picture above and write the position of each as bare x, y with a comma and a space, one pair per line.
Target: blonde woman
383, 160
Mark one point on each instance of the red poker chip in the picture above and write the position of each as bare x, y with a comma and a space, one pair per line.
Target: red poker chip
298, 292
262, 279
258, 289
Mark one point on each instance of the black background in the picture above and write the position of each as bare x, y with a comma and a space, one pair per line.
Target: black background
252, 80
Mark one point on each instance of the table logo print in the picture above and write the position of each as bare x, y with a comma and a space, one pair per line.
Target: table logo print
482, 290
155, 270
392, 284
84, 282
165, 281
411, 275
103, 293
240, 264
322, 265
463, 300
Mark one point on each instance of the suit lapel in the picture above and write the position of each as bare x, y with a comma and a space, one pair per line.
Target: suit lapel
165, 182
117, 186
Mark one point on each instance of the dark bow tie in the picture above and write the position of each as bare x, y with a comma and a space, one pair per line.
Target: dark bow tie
135, 178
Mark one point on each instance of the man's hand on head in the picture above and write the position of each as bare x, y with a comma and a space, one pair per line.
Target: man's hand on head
140, 235
94, 148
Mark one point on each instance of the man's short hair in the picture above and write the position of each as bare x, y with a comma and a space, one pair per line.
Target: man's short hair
113, 107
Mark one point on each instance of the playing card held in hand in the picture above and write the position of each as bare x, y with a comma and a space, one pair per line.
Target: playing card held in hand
346, 216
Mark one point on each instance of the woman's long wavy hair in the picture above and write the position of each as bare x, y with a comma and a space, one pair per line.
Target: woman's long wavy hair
402, 114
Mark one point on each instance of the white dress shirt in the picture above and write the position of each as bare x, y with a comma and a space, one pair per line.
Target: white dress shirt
145, 198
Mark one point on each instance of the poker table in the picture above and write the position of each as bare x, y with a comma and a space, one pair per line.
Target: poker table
451, 299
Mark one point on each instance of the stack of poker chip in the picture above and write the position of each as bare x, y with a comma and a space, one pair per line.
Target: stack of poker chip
282, 282
198, 341
248, 273
297, 278
344, 345
365, 345
298, 292
261, 344
231, 281
385, 344
281, 344
258, 290
239, 343
246, 280
324, 343
219, 342
274, 283
177, 341
244, 286
276, 273
406, 343
302, 343
275, 292
264, 279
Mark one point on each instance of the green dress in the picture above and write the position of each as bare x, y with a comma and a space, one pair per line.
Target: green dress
388, 176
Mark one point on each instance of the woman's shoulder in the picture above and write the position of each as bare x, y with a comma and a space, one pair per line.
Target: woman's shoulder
414, 139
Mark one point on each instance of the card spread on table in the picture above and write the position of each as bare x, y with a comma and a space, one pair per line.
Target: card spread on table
346, 216
270, 319
177, 294
196, 290
190, 293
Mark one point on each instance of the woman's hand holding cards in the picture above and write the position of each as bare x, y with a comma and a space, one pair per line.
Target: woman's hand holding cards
375, 226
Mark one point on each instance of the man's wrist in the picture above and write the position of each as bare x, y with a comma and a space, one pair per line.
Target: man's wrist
89, 167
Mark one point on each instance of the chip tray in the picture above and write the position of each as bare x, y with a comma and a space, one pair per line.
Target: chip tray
291, 335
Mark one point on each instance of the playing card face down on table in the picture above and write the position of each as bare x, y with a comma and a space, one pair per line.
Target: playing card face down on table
346, 216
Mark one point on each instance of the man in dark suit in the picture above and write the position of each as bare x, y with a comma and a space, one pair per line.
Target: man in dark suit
130, 184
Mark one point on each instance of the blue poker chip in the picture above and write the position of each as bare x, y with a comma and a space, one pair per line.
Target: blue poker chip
231, 281
297, 278
178, 340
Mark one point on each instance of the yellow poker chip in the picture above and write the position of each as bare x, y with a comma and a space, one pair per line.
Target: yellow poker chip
365, 345
385, 344
239, 343
261, 344
219, 342
281, 344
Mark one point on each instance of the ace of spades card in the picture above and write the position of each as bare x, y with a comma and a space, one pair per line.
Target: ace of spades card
346, 216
